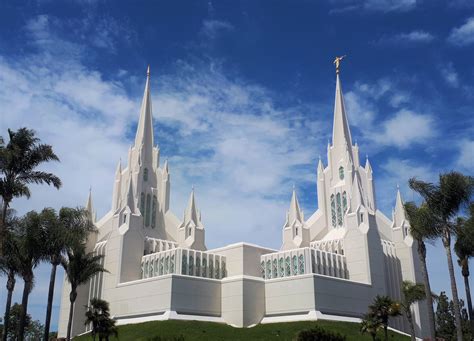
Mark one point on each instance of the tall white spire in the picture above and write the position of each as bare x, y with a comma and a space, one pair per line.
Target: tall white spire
295, 213
341, 134
144, 136
191, 213
130, 196
399, 212
89, 206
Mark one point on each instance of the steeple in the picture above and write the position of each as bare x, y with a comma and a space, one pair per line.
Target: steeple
295, 213
399, 212
130, 197
144, 137
89, 207
191, 213
341, 134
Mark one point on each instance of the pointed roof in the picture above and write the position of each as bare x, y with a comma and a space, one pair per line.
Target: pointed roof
130, 197
399, 212
89, 206
191, 213
320, 166
144, 136
368, 167
118, 170
341, 134
295, 213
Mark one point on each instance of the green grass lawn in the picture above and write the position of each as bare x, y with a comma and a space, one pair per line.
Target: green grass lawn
194, 330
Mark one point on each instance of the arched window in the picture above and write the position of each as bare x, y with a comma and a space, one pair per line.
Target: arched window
204, 267
145, 174
268, 269
189, 231
301, 264
142, 204
341, 173
333, 211
339, 209
296, 231
262, 268
217, 270
147, 210
167, 265
275, 268
344, 201
295, 265
287, 266
198, 265
153, 212
172, 264
162, 260
281, 265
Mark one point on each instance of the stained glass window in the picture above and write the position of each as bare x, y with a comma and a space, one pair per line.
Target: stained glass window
301, 264
148, 210
204, 267
275, 268
344, 202
142, 204
339, 209
184, 264
333, 210
151, 269
191, 265
153, 212
295, 265
172, 264
145, 174
162, 260
268, 269
211, 269
167, 265
287, 266
262, 268
341, 173
217, 270
281, 265
198, 266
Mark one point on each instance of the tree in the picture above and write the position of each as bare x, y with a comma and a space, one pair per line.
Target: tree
464, 248
445, 321
31, 246
412, 293
370, 324
10, 265
60, 233
14, 317
423, 226
445, 200
79, 267
382, 309
19, 160
98, 316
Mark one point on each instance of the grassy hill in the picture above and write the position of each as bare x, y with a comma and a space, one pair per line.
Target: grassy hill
194, 330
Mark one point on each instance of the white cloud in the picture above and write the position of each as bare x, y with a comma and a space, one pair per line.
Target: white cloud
450, 75
466, 155
212, 28
415, 37
405, 128
463, 35
373, 5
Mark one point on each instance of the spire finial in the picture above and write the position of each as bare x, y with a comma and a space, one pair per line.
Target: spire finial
398, 187
148, 71
337, 62
293, 186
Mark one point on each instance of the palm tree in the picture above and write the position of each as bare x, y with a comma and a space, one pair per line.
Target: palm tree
19, 160
445, 200
370, 324
30, 254
9, 265
412, 293
60, 233
464, 248
423, 226
383, 308
98, 316
80, 267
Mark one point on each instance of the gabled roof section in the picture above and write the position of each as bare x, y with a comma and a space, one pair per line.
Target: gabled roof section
144, 136
341, 134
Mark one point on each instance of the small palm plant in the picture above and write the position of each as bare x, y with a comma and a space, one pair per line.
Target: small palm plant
370, 324
19, 160
412, 293
98, 317
79, 267
383, 308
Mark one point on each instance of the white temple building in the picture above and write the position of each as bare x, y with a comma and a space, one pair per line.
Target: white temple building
330, 266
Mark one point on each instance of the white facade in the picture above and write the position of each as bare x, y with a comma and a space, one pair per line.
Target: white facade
330, 266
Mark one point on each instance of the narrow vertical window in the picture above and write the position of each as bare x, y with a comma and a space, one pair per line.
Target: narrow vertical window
167, 265
198, 266
262, 268
142, 204
268, 269
153, 212
333, 211
148, 210
301, 264
275, 268
344, 202
191, 265
295, 265
339, 209
172, 264
281, 266
296, 231
204, 267
218, 270
341, 173
287, 266
145, 174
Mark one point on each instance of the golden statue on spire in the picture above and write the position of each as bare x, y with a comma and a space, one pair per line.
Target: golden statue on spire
337, 62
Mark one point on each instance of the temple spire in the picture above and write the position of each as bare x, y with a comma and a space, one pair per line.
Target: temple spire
295, 213
341, 134
89, 206
399, 212
144, 136
191, 214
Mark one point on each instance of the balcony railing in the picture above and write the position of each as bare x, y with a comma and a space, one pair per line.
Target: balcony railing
303, 261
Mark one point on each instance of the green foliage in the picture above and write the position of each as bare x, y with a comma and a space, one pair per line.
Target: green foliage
445, 321
318, 333
197, 331
370, 324
98, 316
382, 309
33, 329
412, 293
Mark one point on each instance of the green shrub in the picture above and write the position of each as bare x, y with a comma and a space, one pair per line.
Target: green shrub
319, 334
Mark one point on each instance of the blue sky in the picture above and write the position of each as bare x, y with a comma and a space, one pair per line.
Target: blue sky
243, 94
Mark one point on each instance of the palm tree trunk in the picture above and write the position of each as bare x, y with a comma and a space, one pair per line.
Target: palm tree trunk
72, 299
465, 274
385, 332
429, 298
454, 290
10, 288
410, 322
2, 225
24, 306
52, 279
